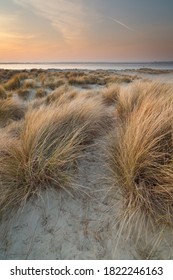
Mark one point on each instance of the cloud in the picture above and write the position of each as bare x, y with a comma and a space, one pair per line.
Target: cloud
65, 16
12, 35
10, 28
122, 24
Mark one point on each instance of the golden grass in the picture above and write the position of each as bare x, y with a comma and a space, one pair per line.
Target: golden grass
23, 93
29, 83
83, 80
118, 79
13, 83
41, 92
45, 152
23, 75
10, 109
56, 94
140, 153
54, 83
62, 94
3, 94
110, 94
12, 130
154, 71
130, 98
72, 94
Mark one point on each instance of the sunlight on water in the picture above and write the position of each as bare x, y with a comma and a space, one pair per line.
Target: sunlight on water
89, 66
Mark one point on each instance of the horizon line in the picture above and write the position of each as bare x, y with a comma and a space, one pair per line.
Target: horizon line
86, 62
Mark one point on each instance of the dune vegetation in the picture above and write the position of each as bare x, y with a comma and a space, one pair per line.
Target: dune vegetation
10, 110
46, 149
140, 155
49, 119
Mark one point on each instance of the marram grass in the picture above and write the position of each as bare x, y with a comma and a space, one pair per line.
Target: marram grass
46, 149
140, 155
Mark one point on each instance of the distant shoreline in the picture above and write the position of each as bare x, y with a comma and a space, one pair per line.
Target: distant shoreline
88, 65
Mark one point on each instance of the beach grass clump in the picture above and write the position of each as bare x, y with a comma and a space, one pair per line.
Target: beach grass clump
23, 75
72, 94
10, 109
46, 151
23, 93
40, 92
62, 94
110, 94
140, 153
118, 79
56, 94
83, 80
153, 71
130, 98
3, 94
54, 83
29, 83
13, 83
12, 130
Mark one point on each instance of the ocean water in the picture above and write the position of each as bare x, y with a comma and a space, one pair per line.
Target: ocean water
89, 66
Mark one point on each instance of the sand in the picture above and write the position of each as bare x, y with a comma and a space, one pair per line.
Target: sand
79, 225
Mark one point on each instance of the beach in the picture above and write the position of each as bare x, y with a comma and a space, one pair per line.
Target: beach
86, 167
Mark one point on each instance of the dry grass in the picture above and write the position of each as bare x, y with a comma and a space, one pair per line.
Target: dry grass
29, 83
3, 94
23, 93
130, 98
56, 94
41, 92
45, 152
62, 94
54, 83
10, 110
119, 79
23, 75
13, 83
141, 157
83, 80
110, 94
13, 130
154, 71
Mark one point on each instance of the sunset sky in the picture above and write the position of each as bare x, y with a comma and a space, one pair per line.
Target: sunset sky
86, 30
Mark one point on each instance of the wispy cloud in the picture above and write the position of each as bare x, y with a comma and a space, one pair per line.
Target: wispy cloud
122, 24
12, 35
67, 17
11, 29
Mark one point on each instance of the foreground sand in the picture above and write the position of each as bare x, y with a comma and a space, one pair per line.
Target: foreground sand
80, 219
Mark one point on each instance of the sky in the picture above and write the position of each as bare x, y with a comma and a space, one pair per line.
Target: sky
86, 30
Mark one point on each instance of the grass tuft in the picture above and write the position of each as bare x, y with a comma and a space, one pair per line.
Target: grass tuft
10, 109
3, 94
13, 83
45, 153
23, 93
140, 153
110, 94
41, 92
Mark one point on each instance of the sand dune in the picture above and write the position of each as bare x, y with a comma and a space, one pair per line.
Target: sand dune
85, 165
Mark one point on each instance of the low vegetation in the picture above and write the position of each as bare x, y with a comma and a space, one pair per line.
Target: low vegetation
13, 83
23, 93
47, 119
110, 94
3, 94
46, 149
140, 155
10, 110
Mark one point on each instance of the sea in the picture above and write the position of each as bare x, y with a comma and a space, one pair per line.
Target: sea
88, 65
